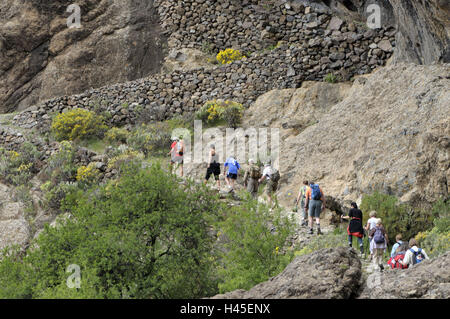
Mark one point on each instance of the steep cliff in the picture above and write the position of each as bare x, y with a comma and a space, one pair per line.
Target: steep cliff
40, 57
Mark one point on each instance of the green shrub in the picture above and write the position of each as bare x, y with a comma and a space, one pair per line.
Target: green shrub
151, 139
141, 236
330, 78
17, 168
59, 175
252, 253
397, 218
117, 135
77, 124
437, 240
217, 110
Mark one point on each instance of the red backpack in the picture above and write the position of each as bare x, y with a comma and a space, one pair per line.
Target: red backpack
394, 262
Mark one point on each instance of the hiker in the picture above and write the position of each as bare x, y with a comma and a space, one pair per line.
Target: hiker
213, 166
398, 242
414, 254
233, 171
251, 178
371, 223
399, 255
172, 153
301, 199
179, 151
271, 176
315, 203
355, 227
378, 243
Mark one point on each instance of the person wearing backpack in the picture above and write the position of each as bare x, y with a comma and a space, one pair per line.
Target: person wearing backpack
213, 166
378, 243
398, 242
399, 254
371, 223
315, 203
355, 227
414, 255
251, 177
271, 176
301, 199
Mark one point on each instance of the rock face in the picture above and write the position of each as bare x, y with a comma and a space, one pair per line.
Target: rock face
325, 274
428, 280
390, 132
423, 35
14, 229
40, 57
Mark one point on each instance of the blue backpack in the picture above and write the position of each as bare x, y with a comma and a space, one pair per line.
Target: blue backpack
418, 256
315, 192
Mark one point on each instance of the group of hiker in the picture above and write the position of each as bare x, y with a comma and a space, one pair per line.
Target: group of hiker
312, 202
402, 255
252, 177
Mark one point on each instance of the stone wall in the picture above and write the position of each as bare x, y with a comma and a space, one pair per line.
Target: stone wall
313, 45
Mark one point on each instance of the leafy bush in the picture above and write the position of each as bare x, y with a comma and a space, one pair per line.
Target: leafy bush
77, 124
17, 168
213, 111
330, 78
59, 175
252, 253
88, 174
228, 56
397, 217
437, 240
146, 237
117, 135
151, 138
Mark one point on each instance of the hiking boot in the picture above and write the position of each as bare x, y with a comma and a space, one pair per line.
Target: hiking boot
304, 223
311, 231
319, 232
381, 267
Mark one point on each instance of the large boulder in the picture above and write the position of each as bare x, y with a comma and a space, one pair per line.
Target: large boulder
428, 280
40, 57
325, 274
388, 132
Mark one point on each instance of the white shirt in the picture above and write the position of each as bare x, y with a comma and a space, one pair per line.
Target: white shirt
267, 171
372, 222
408, 260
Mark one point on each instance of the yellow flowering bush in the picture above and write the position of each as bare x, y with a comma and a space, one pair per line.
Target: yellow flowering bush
228, 56
77, 124
215, 110
117, 135
88, 174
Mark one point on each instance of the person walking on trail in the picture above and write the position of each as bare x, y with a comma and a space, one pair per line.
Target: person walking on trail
315, 203
233, 171
371, 223
271, 176
251, 177
398, 242
378, 243
355, 227
414, 255
301, 198
399, 255
213, 166
179, 151
172, 153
